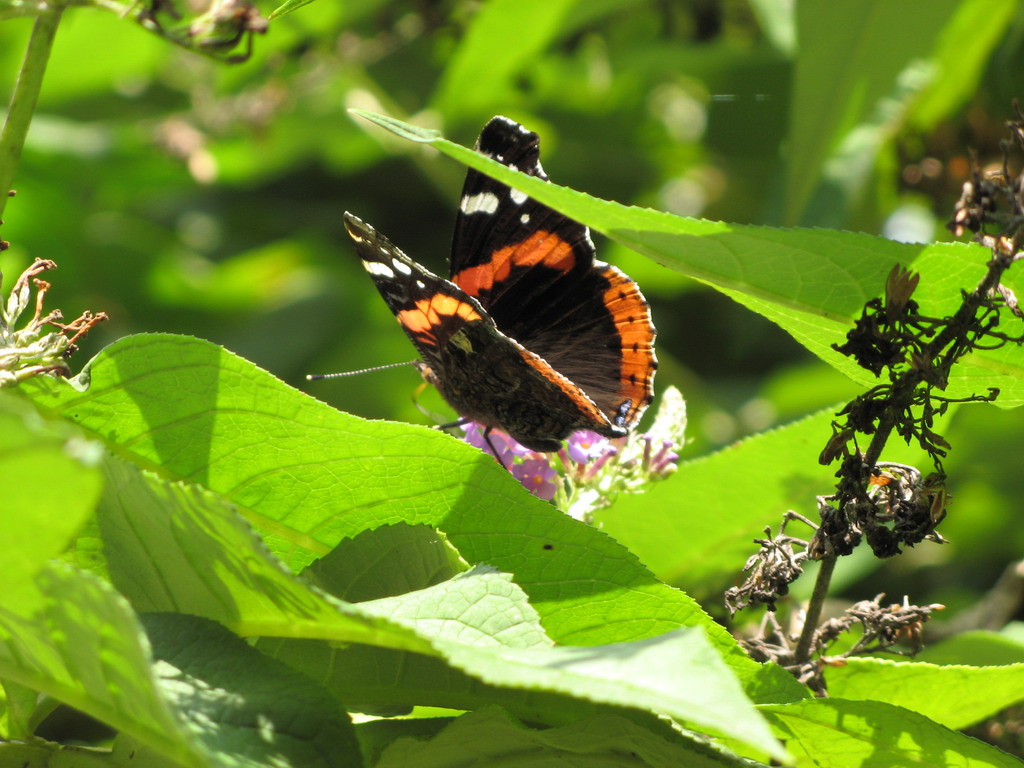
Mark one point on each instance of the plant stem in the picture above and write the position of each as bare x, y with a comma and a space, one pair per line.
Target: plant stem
901, 399
812, 617
25, 96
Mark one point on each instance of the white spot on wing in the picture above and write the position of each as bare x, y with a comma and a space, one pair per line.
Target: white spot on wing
378, 269
518, 197
483, 202
420, 284
405, 269
524, 219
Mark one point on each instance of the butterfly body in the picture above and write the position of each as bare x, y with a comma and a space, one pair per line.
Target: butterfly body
531, 335
517, 396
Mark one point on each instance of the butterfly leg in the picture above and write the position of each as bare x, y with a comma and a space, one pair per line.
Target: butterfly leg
494, 451
430, 414
452, 424
486, 433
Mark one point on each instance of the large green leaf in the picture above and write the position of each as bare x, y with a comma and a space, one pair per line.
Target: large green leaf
174, 547
811, 282
520, 29
178, 547
50, 481
309, 476
870, 734
491, 737
679, 674
483, 626
480, 607
858, 78
363, 567
979, 648
856, 72
70, 635
955, 696
696, 529
245, 709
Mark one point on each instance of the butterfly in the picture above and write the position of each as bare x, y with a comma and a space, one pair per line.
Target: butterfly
531, 334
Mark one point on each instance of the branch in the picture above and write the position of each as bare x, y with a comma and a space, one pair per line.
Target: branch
25, 96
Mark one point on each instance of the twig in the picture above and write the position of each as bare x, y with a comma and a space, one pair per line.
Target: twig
25, 96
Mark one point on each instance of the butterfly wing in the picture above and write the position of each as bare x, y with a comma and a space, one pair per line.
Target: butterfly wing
429, 308
485, 375
534, 271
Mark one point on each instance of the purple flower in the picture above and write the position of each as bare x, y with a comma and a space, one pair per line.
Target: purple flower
530, 468
537, 476
603, 459
585, 446
502, 443
665, 460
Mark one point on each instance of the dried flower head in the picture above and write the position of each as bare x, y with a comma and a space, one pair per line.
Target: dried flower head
35, 348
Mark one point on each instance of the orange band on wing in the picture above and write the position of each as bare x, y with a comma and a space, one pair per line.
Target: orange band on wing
632, 319
539, 248
429, 314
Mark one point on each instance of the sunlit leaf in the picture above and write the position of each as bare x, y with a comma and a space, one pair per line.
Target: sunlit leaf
811, 282
955, 696
875, 735
307, 476
493, 736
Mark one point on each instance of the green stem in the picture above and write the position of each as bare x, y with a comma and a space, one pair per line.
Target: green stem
26, 94
812, 616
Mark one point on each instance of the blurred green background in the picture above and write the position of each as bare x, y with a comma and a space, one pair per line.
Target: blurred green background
181, 194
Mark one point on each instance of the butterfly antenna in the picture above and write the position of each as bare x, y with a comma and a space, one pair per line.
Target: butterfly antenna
318, 376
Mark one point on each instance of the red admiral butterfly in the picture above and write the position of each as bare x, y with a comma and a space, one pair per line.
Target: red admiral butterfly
531, 335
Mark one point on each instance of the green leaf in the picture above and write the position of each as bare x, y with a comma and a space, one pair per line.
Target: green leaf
480, 607
729, 497
70, 635
871, 734
41, 755
50, 481
955, 696
475, 78
963, 50
364, 567
679, 674
856, 72
697, 527
383, 681
173, 546
490, 737
177, 547
977, 648
811, 282
246, 709
308, 476
20, 710
483, 625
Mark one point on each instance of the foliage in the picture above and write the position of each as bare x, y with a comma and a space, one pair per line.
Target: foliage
224, 570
